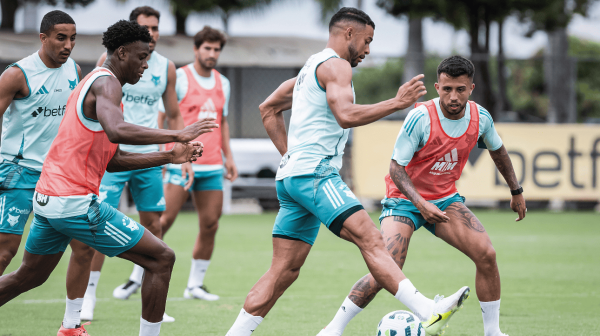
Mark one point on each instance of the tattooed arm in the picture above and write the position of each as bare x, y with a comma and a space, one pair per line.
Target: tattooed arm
505, 167
430, 212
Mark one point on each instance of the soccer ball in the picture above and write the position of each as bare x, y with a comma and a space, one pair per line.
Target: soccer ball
400, 323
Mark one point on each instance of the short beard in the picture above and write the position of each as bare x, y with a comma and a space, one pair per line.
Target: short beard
353, 56
462, 108
204, 65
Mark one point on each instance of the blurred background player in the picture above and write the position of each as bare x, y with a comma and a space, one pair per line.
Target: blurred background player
429, 156
66, 198
202, 93
309, 187
33, 97
140, 107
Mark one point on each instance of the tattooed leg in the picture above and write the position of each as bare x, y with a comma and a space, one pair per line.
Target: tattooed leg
396, 232
465, 232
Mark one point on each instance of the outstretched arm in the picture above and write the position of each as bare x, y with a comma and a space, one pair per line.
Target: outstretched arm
270, 110
335, 75
181, 153
169, 97
505, 167
107, 93
430, 212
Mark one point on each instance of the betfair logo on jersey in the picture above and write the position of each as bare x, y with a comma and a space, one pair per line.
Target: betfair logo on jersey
445, 163
208, 110
139, 99
46, 112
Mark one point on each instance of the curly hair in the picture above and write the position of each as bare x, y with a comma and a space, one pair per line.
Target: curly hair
123, 33
456, 66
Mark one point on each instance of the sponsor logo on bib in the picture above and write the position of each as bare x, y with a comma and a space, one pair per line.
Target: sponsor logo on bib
445, 163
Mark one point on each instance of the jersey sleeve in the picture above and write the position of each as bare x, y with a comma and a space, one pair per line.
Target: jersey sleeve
411, 136
489, 138
227, 92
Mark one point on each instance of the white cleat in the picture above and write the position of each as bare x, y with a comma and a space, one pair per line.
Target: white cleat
167, 318
124, 291
199, 292
87, 309
324, 332
443, 309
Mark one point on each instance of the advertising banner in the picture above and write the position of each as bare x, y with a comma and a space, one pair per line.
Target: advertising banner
559, 161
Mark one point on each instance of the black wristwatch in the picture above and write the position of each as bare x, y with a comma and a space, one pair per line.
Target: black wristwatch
517, 192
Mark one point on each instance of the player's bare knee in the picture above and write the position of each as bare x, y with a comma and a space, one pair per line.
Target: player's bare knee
83, 254
371, 240
209, 229
486, 258
6, 255
167, 258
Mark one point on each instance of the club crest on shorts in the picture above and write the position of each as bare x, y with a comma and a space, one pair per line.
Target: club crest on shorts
13, 220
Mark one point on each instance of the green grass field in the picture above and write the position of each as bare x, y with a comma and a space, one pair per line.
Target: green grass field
549, 264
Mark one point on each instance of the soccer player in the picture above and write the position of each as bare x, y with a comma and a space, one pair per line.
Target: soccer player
66, 196
429, 156
140, 107
33, 97
202, 93
309, 187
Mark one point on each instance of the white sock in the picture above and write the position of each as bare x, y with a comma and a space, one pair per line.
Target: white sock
72, 313
491, 317
414, 300
343, 316
198, 272
149, 328
137, 274
244, 325
92, 284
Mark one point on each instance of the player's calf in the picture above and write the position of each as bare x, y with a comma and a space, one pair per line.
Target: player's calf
9, 245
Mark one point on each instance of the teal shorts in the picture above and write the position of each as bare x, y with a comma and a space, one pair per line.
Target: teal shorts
203, 180
17, 185
15, 207
306, 201
404, 208
145, 185
103, 228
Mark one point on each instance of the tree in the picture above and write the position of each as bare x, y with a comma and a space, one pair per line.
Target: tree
9, 8
553, 16
223, 8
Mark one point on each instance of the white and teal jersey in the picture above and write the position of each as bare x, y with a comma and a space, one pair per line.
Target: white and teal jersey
140, 101
416, 129
30, 124
314, 132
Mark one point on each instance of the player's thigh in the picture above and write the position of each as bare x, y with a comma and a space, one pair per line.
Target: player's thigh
174, 192
294, 222
15, 207
209, 205
148, 251
396, 232
147, 190
103, 228
111, 187
464, 231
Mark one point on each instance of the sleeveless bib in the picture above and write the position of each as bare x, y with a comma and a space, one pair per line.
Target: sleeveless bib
438, 165
81, 151
198, 104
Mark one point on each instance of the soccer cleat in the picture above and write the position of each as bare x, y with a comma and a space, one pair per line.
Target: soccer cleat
87, 308
124, 291
324, 332
199, 292
74, 331
443, 309
167, 318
